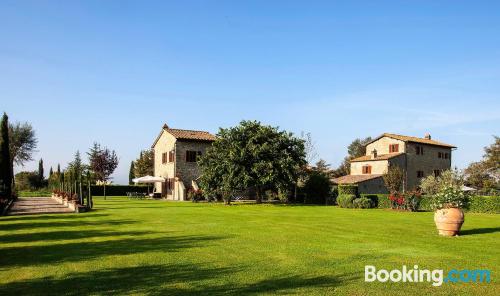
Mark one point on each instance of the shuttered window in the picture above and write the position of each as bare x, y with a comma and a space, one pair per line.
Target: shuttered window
420, 174
171, 156
420, 150
367, 169
393, 148
192, 156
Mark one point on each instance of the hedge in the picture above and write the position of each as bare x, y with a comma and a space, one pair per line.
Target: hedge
118, 190
346, 200
484, 204
478, 204
347, 189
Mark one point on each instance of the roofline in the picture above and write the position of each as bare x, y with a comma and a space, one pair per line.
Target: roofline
165, 128
390, 136
391, 156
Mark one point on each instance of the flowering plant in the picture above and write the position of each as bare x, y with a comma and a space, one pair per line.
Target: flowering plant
397, 200
450, 197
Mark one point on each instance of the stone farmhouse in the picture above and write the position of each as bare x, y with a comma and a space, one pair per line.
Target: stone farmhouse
418, 157
175, 158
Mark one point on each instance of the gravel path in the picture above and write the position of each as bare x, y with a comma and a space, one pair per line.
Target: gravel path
37, 205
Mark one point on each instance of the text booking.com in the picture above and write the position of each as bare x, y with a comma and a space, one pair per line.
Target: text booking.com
437, 276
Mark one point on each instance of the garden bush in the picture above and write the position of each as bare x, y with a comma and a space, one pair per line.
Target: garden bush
484, 204
380, 201
346, 200
363, 203
348, 189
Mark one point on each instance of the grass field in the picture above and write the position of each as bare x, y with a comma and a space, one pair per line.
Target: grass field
168, 248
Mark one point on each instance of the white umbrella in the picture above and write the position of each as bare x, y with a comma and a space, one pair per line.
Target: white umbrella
467, 188
148, 179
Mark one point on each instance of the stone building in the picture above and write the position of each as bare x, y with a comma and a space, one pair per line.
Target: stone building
418, 157
175, 158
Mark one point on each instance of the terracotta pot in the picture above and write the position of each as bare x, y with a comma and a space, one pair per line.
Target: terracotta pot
449, 221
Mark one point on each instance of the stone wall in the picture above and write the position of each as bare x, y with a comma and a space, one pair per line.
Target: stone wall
372, 186
428, 162
165, 143
188, 171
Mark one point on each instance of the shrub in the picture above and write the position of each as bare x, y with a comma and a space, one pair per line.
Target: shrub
118, 190
412, 200
485, 204
346, 200
363, 203
317, 187
348, 189
195, 195
397, 201
450, 197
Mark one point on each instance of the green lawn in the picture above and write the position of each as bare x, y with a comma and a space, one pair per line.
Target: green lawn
166, 248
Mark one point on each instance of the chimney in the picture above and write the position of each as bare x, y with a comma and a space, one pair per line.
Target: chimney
374, 154
165, 126
427, 136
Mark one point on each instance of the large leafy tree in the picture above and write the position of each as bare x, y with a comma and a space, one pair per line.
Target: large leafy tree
5, 160
357, 148
22, 143
144, 165
102, 162
393, 179
251, 155
485, 174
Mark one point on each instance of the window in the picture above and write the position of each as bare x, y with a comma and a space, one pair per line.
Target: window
440, 155
420, 174
171, 156
393, 148
437, 173
170, 185
446, 156
367, 169
192, 156
420, 150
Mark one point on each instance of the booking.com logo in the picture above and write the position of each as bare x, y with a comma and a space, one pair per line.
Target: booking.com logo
435, 276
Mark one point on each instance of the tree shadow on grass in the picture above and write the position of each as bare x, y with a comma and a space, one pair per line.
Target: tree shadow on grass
64, 235
479, 231
80, 251
174, 279
63, 222
52, 217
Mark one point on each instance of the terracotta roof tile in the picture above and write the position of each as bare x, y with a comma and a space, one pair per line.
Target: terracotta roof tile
353, 179
379, 157
413, 139
190, 134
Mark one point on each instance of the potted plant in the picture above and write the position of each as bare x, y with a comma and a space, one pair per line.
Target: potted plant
449, 215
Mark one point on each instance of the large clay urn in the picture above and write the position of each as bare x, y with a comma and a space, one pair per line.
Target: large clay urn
449, 221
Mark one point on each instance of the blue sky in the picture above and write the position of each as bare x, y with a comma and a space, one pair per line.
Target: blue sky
115, 71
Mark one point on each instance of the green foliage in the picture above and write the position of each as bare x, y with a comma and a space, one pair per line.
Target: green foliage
317, 187
77, 167
348, 189
346, 200
251, 155
22, 142
131, 174
484, 204
412, 200
5, 160
450, 178
144, 165
363, 203
450, 197
27, 181
393, 179
41, 177
485, 174
35, 193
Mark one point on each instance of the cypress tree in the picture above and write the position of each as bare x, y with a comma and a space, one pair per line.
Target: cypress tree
5, 163
40, 173
131, 173
51, 172
58, 169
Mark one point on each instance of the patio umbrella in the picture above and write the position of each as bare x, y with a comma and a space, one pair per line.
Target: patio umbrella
467, 188
148, 180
